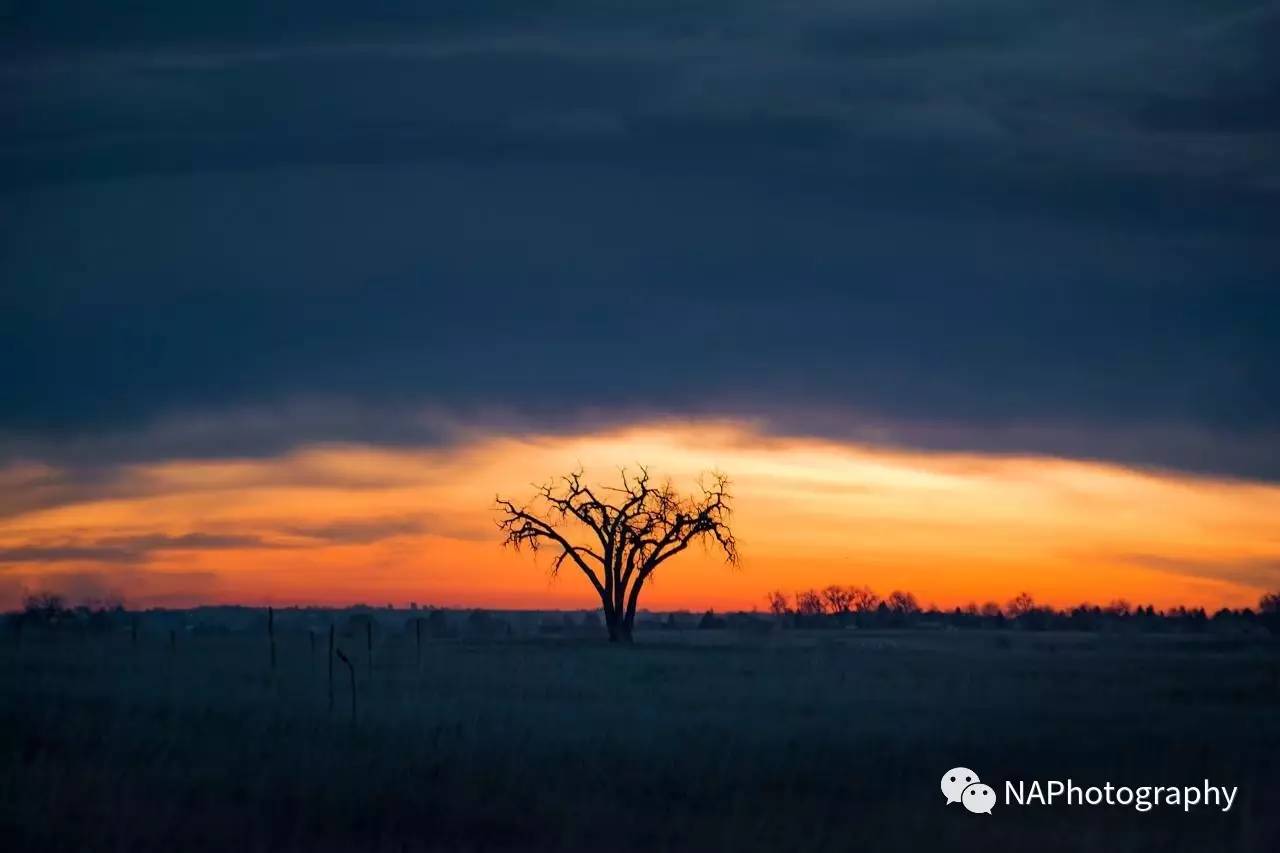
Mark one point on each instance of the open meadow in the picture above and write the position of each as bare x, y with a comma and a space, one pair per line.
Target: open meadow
689, 740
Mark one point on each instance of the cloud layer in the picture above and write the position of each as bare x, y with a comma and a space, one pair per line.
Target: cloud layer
989, 226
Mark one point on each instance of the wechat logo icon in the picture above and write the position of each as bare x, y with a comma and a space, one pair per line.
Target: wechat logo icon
962, 785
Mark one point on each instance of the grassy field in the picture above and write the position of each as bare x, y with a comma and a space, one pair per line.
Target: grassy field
688, 741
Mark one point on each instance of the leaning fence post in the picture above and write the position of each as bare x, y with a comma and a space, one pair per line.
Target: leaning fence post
331, 651
368, 643
417, 630
271, 636
352, 671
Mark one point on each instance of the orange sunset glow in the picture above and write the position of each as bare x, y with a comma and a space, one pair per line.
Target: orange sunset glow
690, 427
343, 523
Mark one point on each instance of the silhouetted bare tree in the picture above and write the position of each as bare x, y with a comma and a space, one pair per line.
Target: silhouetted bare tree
902, 602
863, 599
1021, 604
1118, 607
809, 603
839, 599
619, 537
46, 607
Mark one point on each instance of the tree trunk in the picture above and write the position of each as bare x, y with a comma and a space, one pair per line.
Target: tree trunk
619, 630
627, 618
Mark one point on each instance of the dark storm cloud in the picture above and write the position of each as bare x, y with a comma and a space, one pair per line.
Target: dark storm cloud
1260, 573
997, 226
1236, 113
362, 531
108, 585
359, 531
125, 549
138, 549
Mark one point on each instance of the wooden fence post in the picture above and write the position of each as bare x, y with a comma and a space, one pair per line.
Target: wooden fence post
331, 651
271, 636
352, 671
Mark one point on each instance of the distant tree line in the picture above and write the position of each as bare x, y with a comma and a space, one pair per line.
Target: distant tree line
834, 607
49, 609
860, 607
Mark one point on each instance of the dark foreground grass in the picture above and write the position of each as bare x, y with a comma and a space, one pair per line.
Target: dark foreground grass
807, 743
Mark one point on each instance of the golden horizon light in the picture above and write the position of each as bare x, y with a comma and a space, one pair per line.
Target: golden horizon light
338, 524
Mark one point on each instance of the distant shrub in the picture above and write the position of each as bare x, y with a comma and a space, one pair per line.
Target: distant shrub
711, 622
482, 623
46, 608
750, 623
438, 624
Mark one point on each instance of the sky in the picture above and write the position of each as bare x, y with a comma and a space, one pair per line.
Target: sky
966, 297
